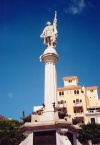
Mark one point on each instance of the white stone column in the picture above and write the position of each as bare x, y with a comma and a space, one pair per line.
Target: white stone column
50, 58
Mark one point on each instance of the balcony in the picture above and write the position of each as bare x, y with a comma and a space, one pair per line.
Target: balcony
93, 112
78, 114
77, 104
61, 105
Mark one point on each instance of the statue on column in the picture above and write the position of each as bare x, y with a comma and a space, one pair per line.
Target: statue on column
50, 33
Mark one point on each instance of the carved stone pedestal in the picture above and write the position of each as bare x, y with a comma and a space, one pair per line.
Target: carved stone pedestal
57, 132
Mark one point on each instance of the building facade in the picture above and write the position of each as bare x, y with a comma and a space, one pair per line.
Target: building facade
80, 103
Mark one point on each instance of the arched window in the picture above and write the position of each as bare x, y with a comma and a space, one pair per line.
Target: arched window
77, 100
80, 100
82, 91
73, 101
77, 91
61, 101
74, 91
91, 90
60, 93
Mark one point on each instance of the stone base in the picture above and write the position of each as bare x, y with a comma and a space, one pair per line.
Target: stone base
51, 116
47, 125
47, 115
40, 131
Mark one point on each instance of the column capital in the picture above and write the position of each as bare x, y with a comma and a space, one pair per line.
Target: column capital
49, 55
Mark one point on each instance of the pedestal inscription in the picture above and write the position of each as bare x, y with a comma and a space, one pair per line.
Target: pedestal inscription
44, 138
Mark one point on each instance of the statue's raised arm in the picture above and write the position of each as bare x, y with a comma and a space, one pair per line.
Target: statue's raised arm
50, 33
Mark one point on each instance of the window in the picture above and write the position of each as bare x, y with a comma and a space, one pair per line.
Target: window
77, 100
77, 91
74, 91
73, 101
61, 93
70, 81
80, 100
91, 90
82, 91
92, 120
61, 101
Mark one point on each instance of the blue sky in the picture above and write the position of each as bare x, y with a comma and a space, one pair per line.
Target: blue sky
78, 46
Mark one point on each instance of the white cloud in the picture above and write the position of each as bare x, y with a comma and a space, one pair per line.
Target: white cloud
10, 95
75, 7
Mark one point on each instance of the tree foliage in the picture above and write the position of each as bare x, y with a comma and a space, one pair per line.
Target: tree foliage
10, 132
89, 132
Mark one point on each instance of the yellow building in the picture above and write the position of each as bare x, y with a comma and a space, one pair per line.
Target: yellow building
80, 103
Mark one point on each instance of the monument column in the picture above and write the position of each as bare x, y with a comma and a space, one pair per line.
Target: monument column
50, 58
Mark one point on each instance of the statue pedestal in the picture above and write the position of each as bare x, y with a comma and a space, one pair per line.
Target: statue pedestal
49, 116
50, 133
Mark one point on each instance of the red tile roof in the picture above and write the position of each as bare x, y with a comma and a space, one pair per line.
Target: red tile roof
73, 87
70, 78
92, 88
